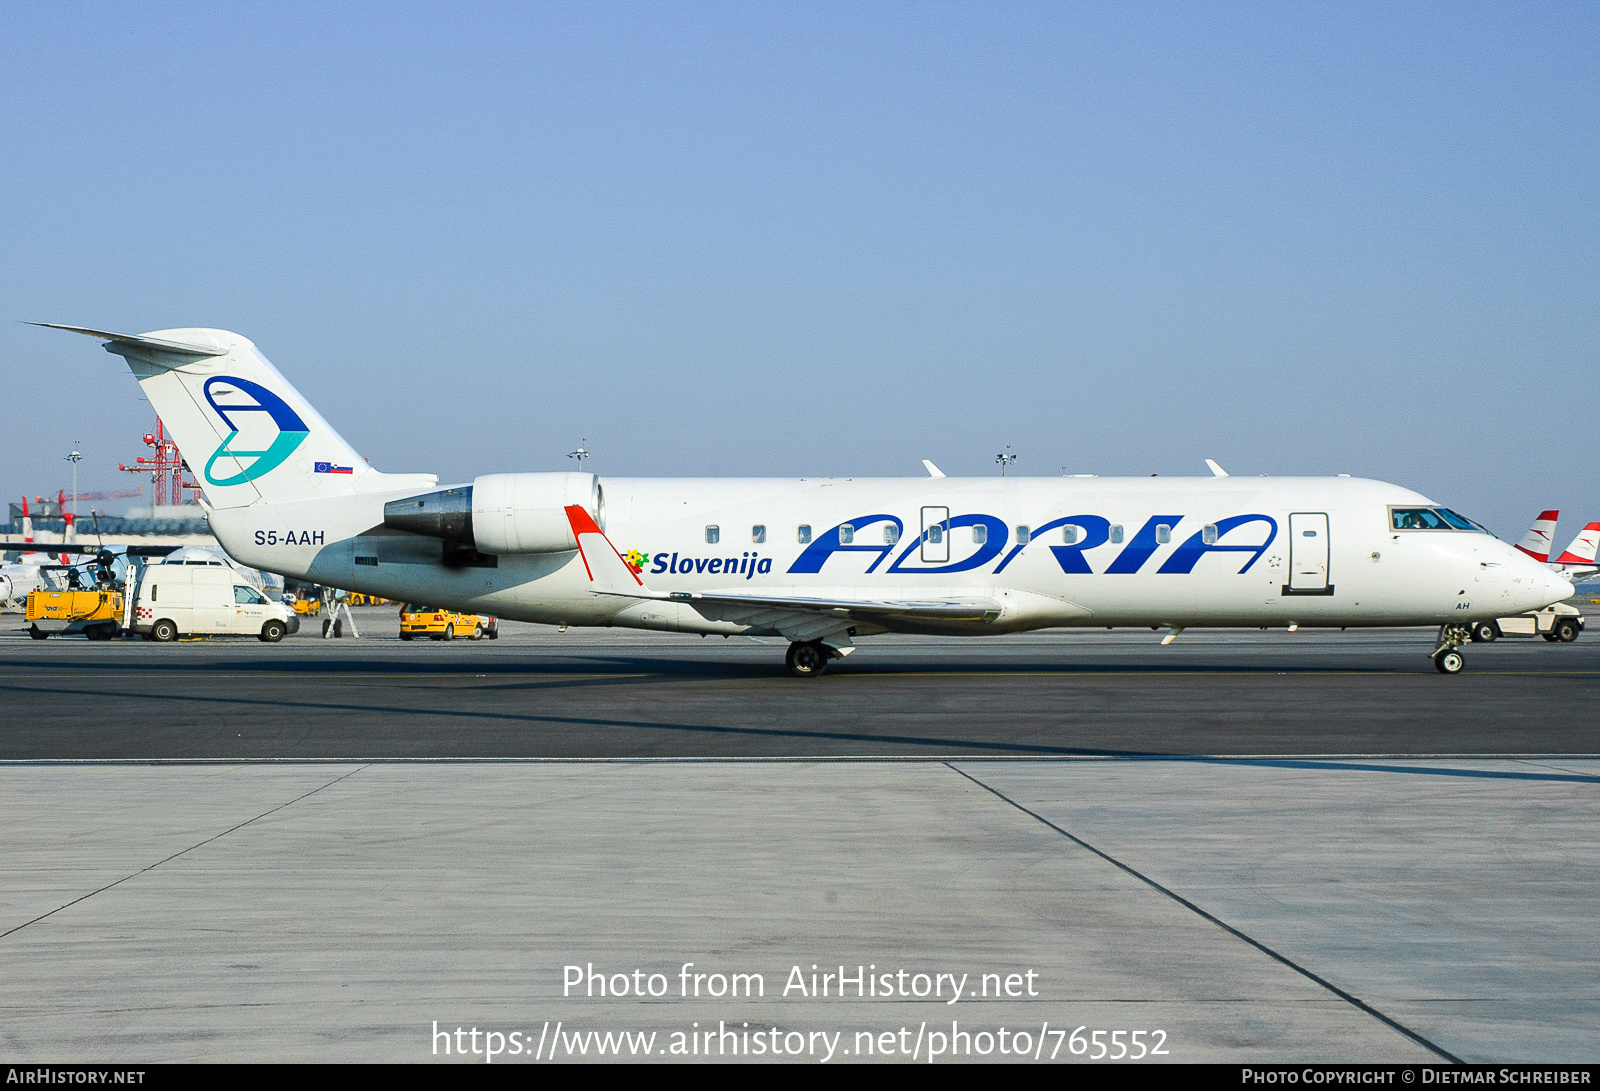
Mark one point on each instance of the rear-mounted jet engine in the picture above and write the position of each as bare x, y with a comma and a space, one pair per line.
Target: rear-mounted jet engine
499, 514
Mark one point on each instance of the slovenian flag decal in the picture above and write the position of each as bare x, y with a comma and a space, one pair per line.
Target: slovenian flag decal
330, 468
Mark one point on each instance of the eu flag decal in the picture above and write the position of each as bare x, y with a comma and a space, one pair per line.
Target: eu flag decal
330, 468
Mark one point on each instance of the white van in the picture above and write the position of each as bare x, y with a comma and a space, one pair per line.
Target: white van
204, 600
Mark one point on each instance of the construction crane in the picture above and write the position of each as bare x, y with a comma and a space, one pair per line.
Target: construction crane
165, 467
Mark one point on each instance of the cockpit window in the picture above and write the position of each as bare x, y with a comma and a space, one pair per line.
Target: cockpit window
1429, 519
1418, 519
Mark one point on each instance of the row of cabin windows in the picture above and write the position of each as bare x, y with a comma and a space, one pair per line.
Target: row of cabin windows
980, 534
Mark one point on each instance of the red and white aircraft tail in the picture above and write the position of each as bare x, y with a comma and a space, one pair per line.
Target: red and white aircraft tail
1580, 555
1541, 537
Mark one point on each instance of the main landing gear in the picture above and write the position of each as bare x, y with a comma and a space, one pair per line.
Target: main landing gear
808, 659
1447, 657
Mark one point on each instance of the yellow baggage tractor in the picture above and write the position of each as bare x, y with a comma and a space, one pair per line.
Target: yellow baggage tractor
95, 614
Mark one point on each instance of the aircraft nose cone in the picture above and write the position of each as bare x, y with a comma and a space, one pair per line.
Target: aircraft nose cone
1538, 586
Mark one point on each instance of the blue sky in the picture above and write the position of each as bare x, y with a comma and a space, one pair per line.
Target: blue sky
809, 239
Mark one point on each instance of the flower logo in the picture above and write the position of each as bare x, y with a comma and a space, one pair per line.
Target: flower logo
636, 560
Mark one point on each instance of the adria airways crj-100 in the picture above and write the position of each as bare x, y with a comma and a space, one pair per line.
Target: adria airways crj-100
819, 562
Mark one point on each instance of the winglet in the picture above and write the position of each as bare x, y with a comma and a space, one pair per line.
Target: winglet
609, 573
1216, 471
933, 471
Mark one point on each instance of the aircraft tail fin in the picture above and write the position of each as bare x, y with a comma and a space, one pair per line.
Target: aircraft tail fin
1584, 547
1541, 537
246, 434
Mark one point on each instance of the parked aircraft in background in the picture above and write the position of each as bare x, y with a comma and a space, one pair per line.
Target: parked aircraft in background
1540, 540
27, 573
205, 555
817, 562
1576, 562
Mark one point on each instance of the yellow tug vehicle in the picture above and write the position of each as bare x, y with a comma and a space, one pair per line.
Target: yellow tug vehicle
95, 614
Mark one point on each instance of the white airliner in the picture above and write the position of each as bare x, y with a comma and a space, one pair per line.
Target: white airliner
818, 562
28, 573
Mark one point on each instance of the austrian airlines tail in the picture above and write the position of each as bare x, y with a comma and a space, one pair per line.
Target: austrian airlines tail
1580, 555
248, 435
1541, 537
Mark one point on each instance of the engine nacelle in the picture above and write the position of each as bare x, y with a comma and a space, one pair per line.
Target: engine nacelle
503, 513
526, 513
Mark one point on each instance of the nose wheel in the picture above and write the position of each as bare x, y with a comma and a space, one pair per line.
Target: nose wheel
1447, 657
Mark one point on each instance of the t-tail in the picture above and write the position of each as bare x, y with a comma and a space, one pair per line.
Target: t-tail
1541, 537
246, 434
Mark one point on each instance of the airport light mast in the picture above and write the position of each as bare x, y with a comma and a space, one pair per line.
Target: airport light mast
75, 457
1005, 458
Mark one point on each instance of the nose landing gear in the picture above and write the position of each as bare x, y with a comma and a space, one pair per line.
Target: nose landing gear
1447, 658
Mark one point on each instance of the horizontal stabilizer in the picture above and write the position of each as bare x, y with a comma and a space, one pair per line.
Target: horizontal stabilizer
153, 344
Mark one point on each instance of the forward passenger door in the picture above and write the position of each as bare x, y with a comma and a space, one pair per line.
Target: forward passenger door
1308, 553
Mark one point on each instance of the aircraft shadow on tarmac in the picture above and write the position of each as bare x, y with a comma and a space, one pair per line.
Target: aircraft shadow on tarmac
323, 701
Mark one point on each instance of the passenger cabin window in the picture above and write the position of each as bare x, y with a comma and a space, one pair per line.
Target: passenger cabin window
758, 534
847, 534
1208, 534
1069, 534
891, 534
713, 534
936, 533
980, 534
805, 534
1116, 535
1163, 534
1023, 536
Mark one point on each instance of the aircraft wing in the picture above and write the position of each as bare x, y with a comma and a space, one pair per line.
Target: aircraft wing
865, 609
796, 616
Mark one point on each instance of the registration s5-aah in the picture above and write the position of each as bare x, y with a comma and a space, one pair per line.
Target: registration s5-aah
818, 562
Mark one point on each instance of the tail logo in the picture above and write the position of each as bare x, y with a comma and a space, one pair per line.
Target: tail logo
243, 398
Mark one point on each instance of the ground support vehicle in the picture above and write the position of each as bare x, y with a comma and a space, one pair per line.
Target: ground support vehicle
170, 601
96, 614
1556, 622
440, 624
